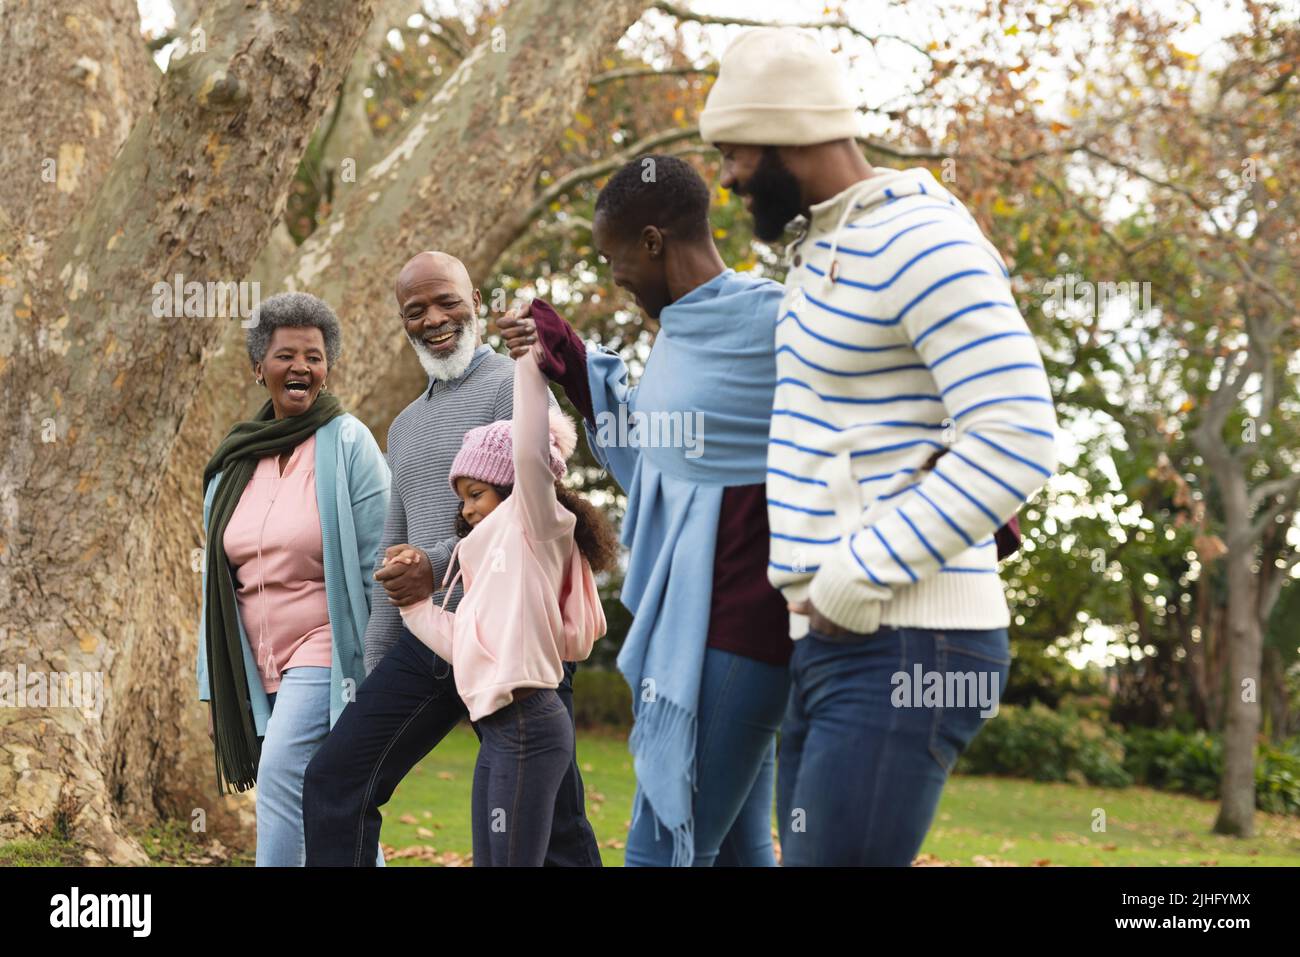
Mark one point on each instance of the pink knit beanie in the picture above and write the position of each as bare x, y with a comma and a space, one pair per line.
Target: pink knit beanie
486, 453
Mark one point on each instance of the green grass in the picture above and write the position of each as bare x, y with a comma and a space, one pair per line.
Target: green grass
986, 820
981, 820
40, 852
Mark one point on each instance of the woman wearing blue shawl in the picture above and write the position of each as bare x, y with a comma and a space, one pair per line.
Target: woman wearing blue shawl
706, 655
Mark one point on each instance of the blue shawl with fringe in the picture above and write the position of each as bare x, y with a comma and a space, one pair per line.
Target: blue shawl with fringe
696, 423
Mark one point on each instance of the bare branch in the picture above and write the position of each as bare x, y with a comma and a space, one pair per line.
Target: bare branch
1090, 217
1154, 180
675, 11
584, 174
635, 72
1286, 487
1012, 159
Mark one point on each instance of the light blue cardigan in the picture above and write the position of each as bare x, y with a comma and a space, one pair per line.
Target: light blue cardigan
352, 481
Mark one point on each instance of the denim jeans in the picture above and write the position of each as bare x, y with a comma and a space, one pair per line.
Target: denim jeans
527, 746
402, 710
866, 747
741, 702
299, 722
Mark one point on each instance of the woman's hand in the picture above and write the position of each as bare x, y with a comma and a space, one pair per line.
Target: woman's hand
406, 574
518, 330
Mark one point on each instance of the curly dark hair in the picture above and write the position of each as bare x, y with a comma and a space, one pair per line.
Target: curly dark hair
593, 533
292, 310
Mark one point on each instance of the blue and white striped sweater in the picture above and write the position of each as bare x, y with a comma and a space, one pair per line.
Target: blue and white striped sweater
915, 345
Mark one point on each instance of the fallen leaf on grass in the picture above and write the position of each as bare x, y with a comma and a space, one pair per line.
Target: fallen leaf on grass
931, 860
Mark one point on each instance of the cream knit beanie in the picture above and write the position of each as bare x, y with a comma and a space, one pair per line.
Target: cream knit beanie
779, 87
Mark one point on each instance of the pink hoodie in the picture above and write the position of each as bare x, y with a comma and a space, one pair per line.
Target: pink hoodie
530, 598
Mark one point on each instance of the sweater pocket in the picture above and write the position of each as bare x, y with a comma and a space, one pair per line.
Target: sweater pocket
478, 647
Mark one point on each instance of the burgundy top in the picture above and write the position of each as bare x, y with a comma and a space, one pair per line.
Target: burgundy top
747, 616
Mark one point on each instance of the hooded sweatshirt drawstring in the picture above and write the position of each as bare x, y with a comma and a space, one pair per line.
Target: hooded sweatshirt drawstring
850, 207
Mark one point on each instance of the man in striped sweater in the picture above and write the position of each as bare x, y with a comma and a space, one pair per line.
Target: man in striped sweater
898, 338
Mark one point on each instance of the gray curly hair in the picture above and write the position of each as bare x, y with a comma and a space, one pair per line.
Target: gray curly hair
292, 310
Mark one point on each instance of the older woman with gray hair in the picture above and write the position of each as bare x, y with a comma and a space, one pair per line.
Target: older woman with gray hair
293, 509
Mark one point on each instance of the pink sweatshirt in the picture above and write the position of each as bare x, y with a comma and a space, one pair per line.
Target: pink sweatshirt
530, 600
273, 541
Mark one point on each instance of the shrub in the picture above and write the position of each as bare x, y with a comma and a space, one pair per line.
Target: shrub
1072, 744
1045, 745
1277, 780
1173, 760
601, 698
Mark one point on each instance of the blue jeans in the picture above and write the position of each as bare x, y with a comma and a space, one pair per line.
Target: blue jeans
299, 723
402, 710
866, 748
741, 702
525, 753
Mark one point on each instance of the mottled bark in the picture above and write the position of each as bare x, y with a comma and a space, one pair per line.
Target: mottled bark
96, 386
77, 76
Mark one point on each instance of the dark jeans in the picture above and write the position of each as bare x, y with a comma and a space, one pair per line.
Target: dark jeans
403, 709
526, 751
868, 740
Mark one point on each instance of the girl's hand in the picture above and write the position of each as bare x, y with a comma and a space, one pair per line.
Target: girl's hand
401, 555
519, 330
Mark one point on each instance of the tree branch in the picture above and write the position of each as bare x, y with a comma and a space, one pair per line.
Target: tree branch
675, 11
634, 72
608, 164
1285, 489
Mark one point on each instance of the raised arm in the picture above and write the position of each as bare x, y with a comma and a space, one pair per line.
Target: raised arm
531, 448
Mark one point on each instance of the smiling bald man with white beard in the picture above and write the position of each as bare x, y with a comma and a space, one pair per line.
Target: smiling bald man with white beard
408, 702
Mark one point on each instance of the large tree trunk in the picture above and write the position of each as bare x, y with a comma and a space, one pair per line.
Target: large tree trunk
95, 389
94, 589
1245, 644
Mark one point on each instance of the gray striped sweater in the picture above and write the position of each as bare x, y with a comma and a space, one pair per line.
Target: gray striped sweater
422, 443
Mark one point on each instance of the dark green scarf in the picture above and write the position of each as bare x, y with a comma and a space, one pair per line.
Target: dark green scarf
237, 747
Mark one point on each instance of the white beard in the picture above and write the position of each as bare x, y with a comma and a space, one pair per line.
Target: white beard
452, 366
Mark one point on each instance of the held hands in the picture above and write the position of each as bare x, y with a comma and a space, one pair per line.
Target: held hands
518, 330
816, 620
406, 575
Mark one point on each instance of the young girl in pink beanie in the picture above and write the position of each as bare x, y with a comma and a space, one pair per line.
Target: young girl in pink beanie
527, 553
